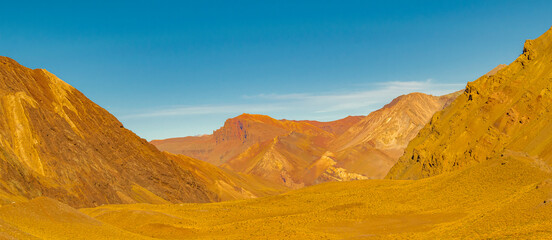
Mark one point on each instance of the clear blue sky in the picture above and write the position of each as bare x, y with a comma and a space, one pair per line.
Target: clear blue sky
178, 68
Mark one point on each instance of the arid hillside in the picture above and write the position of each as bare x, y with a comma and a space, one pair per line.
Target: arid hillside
509, 111
55, 142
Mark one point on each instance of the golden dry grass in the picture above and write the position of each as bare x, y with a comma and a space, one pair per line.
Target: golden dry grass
508, 197
45, 218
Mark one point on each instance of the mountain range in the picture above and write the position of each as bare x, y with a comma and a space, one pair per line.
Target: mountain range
302, 153
468, 165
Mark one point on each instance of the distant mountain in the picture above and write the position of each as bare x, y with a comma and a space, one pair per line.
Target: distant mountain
498, 115
55, 142
301, 153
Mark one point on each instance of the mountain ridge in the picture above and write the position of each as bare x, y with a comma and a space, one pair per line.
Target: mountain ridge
504, 111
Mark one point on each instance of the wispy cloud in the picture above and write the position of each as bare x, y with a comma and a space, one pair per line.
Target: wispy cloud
205, 110
318, 106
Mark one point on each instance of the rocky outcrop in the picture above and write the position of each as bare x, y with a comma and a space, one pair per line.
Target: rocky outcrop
507, 110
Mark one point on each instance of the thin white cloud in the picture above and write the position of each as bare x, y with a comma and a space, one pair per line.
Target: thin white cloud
278, 96
316, 106
204, 110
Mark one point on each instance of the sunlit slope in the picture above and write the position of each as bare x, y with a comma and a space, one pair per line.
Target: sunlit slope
508, 110
507, 197
45, 218
8, 231
55, 142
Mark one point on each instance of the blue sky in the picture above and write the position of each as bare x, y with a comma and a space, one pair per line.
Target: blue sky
178, 68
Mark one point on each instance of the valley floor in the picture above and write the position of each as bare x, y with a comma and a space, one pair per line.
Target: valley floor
510, 197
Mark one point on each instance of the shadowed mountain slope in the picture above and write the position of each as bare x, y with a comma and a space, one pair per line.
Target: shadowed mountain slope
507, 111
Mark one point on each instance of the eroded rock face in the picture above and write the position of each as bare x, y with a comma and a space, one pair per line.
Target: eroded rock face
507, 110
55, 142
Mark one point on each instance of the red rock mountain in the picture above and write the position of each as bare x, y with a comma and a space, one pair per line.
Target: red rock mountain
55, 142
244, 131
